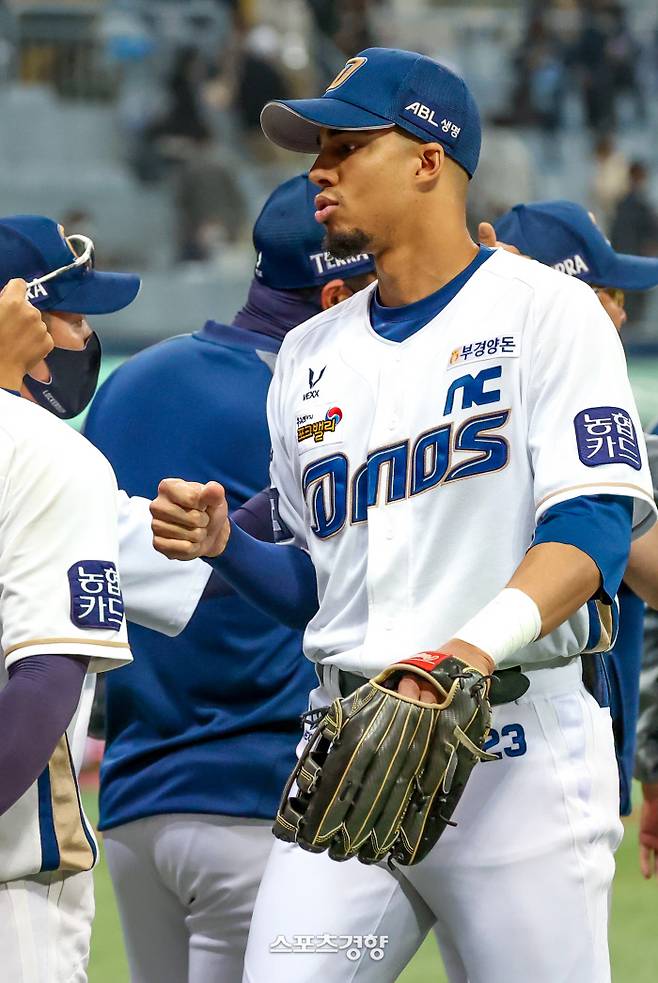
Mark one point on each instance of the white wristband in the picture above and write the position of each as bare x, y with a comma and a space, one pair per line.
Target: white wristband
505, 625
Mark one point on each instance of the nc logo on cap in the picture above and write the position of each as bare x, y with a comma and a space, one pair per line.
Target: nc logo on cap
352, 66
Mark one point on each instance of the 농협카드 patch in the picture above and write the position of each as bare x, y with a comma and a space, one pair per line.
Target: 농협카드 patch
96, 600
606, 435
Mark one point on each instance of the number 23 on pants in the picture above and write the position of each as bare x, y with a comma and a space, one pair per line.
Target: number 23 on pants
509, 741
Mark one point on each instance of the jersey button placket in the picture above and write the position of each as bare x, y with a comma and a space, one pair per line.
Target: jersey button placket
388, 550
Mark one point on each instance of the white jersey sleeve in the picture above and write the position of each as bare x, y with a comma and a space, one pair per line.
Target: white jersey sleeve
584, 431
287, 502
60, 591
160, 594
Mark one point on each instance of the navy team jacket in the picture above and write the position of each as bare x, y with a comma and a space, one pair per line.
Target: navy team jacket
206, 722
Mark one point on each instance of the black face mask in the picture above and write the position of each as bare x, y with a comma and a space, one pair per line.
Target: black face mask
73, 379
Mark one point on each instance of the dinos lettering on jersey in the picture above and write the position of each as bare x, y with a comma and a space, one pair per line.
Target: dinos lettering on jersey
399, 471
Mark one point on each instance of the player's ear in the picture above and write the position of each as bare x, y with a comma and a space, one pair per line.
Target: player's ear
333, 292
431, 161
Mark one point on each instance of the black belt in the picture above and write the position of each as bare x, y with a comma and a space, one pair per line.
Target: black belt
348, 682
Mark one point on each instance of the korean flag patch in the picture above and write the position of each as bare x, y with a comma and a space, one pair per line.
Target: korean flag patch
96, 600
606, 435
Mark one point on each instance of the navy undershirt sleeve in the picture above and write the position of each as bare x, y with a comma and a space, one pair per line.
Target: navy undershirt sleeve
43, 688
598, 525
255, 517
277, 579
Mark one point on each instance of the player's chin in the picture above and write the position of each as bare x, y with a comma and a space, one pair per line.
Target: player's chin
344, 240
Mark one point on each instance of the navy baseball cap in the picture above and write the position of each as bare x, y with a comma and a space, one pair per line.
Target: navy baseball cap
288, 241
564, 235
378, 89
31, 246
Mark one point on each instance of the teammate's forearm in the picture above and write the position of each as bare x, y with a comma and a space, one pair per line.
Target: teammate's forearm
36, 707
279, 580
255, 517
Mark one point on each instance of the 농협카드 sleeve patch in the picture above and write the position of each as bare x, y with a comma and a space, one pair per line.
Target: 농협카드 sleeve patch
96, 600
606, 435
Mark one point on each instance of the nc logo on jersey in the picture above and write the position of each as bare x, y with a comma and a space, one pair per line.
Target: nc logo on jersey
351, 66
572, 265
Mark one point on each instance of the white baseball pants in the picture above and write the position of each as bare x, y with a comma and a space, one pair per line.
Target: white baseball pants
45, 928
518, 891
186, 886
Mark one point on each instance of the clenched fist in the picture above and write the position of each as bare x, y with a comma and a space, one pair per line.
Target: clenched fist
24, 338
189, 519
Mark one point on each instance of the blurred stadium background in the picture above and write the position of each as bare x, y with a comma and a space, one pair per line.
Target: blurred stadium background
136, 122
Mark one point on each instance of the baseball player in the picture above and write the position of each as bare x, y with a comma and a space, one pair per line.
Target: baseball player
201, 731
473, 496
564, 235
61, 614
39, 830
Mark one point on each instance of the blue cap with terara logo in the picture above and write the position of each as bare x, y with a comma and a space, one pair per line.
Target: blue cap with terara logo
564, 235
378, 89
59, 269
290, 254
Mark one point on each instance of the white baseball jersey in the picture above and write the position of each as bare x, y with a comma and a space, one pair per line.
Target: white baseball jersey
158, 593
415, 472
59, 594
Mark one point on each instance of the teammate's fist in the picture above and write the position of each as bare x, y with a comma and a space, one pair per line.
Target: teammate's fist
189, 519
649, 831
24, 338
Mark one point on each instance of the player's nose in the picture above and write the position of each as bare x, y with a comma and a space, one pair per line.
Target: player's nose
321, 173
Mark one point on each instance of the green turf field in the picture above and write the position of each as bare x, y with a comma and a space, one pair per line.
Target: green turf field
634, 932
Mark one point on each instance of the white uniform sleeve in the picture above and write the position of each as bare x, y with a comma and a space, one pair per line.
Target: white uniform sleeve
158, 593
584, 431
60, 591
287, 502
